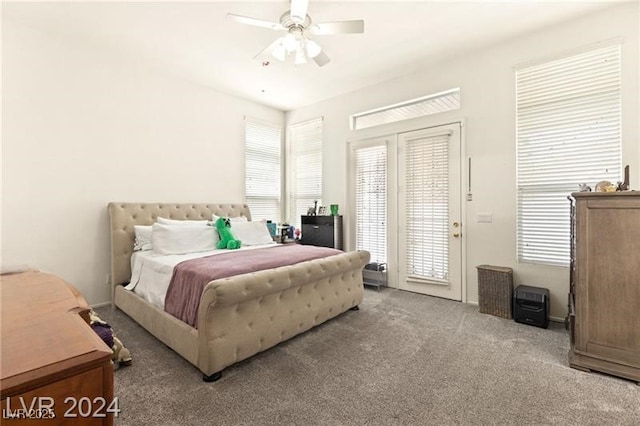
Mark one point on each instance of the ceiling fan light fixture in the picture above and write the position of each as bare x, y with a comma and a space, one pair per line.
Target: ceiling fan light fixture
290, 42
313, 49
297, 24
280, 53
300, 57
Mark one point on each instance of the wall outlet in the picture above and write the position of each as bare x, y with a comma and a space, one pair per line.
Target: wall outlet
484, 218
107, 280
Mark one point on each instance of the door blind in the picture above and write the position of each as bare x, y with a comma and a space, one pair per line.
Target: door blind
371, 201
427, 207
263, 170
568, 132
305, 181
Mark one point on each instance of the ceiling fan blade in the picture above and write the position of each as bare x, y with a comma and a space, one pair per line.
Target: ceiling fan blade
322, 59
340, 27
299, 10
267, 51
255, 22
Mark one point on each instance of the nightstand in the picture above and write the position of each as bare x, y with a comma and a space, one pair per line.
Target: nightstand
323, 231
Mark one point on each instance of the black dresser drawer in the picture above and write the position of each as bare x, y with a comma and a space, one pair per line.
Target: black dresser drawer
318, 220
323, 231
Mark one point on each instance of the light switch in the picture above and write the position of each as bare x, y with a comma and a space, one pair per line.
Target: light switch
484, 218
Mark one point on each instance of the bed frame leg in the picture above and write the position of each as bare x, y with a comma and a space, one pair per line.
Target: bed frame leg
212, 378
355, 308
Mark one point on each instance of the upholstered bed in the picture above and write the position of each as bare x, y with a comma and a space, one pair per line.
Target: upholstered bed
237, 316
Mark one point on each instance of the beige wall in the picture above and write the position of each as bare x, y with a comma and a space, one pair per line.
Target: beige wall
486, 80
83, 126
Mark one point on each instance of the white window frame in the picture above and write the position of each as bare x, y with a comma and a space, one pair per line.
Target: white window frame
304, 168
568, 132
263, 169
375, 221
447, 100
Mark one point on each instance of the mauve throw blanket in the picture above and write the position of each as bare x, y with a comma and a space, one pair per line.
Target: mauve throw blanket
191, 276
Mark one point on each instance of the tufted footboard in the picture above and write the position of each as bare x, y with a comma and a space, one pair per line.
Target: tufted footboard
243, 315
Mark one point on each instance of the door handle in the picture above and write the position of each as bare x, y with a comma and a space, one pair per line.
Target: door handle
456, 225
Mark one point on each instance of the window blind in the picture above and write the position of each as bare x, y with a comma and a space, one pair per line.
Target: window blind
426, 105
263, 170
305, 180
370, 166
427, 207
568, 131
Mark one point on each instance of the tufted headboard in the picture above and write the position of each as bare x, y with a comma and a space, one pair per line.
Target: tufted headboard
123, 216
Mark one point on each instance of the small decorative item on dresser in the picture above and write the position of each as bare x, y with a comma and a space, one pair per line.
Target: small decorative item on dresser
605, 186
584, 187
312, 211
624, 186
322, 211
334, 209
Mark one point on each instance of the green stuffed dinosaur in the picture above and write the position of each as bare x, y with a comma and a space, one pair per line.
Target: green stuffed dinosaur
227, 240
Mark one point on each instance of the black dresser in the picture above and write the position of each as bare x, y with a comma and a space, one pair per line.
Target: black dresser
323, 231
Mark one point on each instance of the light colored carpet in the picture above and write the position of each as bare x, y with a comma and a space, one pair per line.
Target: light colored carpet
402, 359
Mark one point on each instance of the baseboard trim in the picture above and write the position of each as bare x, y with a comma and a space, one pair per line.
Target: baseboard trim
100, 305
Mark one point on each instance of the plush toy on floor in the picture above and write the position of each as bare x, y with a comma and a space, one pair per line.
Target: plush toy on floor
227, 240
121, 355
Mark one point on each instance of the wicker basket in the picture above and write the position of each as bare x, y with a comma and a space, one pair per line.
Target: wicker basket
495, 290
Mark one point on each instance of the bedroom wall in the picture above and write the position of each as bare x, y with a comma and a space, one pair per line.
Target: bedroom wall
486, 80
83, 126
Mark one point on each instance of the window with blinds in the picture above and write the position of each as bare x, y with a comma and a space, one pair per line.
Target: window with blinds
431, 104
370, 164
263, 170
305, 168
427, 207
568, 130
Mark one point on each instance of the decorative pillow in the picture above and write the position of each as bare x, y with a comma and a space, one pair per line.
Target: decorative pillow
252, 233
232, 219
166, 221
171, 239
143, 238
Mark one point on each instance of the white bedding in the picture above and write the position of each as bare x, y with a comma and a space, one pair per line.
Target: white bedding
151, 272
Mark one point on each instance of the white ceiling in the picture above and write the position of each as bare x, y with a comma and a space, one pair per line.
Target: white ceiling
194, 39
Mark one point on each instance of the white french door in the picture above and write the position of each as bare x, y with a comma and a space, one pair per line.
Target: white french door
429, 201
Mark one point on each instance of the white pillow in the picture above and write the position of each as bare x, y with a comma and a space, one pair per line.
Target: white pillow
170, 239
215, 217
251, 233
166, 221
143, 238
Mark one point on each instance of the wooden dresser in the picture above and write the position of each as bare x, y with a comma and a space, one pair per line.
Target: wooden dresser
604, 298
51, 360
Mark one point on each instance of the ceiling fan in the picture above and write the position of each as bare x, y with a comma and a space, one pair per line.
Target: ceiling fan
298, 25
